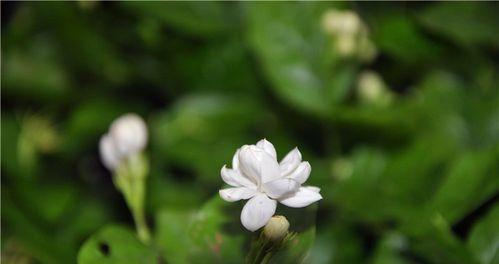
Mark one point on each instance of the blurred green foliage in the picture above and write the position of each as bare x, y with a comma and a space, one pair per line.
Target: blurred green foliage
414, 180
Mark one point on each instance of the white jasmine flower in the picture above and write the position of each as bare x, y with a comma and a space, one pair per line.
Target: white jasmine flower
256, 175
127, 136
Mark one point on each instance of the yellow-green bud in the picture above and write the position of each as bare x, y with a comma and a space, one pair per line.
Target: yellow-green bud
277, 228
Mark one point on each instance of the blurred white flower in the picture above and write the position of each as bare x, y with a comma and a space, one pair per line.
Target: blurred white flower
256, 175
371, 89
121, 151
341, 22
127, 136
350, 34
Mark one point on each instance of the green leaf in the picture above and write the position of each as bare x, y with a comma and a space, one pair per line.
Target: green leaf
89, 121
472, 179
202, 19
197, 128
41, 243
209, 235
164, 192
224, 62
398, 36
483, 241
295, 55
34, 75
431, 237
172, 236
217, 233
336, 243
115, 244
10, 159
467, 23
389, 249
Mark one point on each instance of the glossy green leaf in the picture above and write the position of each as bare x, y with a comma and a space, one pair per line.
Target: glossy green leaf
467, 23
202, 19
483, 241
209, 235
472, 179
298, 71
115, 244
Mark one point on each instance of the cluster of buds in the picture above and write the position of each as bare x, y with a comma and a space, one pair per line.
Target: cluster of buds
122, 152
350, 34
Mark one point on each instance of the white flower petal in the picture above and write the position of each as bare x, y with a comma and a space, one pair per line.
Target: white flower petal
129, 133
234, 178
269, 169
257, 212
235, 160
290, 162
257, 164
268, 147
313, 188
236, 194
303, 197
301, 173
278, 188
108, 153
249, 161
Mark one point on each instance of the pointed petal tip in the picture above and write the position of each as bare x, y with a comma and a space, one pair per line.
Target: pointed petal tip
304, 197
236, 194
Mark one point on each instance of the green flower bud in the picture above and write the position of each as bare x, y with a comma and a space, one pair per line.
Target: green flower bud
277, 228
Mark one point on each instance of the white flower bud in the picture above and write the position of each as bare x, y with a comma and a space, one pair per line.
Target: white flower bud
346, 46
372, 89
338, 22
277, 228
127, 137
108, 153
129, 134
350, 34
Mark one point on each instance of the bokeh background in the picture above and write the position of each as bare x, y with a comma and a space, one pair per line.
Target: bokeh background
396, 109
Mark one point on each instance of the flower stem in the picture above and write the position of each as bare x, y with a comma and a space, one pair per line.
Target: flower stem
263, 248
136, 204
141, 226
260, 250
132, 185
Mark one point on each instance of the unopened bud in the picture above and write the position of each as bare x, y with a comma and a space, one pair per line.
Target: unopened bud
372, 89
129, 133
277, 228
338, 22
346, 46
127, 137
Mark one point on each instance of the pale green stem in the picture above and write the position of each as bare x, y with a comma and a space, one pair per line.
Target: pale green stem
138, 210
131, 183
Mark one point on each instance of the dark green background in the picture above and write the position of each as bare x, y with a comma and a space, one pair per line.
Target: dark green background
415, 181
